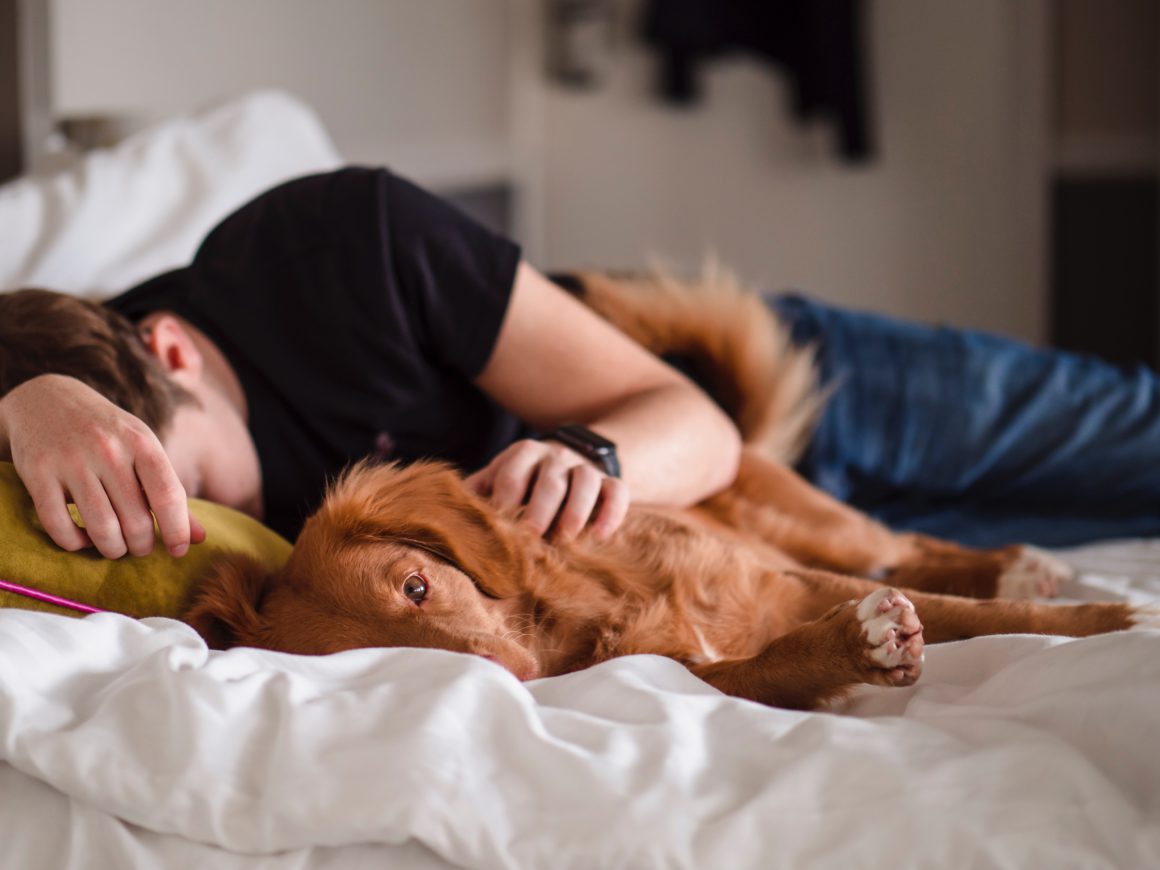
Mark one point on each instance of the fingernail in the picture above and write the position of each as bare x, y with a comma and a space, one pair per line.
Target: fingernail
179, 550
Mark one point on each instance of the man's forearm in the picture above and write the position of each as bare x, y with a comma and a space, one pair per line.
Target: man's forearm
675, 446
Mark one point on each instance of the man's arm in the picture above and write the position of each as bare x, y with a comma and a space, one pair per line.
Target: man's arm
556, 362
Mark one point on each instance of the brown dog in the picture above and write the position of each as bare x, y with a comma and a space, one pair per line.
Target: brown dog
738, 589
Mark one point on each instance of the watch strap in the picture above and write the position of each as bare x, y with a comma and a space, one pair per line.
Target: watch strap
595, 448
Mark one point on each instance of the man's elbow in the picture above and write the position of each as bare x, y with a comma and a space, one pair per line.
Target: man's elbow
726, 455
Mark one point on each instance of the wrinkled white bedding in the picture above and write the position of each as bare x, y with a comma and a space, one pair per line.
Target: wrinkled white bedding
128, 744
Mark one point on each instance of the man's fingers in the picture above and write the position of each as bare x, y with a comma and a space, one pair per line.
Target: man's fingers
584, 484
513, 475
166, 498
132, 513
101, 523
52, 507
548, 494
196, 530
480, 481
562, 492
614, 502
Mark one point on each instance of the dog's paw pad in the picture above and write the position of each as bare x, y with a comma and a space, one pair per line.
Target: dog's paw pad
1035, 573
893, 636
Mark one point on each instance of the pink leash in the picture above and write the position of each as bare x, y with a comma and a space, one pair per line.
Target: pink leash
5, 586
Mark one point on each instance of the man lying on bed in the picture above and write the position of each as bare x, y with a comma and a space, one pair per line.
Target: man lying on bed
352, 314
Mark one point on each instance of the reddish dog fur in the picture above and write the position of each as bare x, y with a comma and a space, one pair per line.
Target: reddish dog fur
761, 590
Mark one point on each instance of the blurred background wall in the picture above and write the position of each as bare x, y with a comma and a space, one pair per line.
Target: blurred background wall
951, 220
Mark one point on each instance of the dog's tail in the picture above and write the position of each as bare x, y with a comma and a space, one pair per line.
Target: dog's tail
729, 341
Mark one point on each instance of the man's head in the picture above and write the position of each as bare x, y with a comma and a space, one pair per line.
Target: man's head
42, 332
163, 371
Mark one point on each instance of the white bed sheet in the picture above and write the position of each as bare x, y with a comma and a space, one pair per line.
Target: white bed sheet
128, 744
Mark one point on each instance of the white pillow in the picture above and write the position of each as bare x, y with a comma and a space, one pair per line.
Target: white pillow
124, 214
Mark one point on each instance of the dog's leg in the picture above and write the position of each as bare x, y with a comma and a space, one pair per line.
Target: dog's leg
948, 617
876, 640
1018, 571
773, 503
863, 632
951, 617
880, 638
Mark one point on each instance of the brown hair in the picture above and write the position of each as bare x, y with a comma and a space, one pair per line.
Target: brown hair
42, 332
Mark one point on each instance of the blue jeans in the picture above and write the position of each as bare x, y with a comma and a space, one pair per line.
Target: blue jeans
978, 438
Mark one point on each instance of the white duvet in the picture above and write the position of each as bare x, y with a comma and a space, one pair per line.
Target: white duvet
129, 744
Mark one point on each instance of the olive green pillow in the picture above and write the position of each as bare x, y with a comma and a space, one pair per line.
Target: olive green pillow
154, 585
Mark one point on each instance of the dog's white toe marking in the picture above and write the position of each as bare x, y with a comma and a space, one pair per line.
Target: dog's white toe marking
891, 627
1146, 616
1034, 574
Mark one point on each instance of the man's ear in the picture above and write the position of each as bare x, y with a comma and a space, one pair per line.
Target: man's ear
169, 341
224, 606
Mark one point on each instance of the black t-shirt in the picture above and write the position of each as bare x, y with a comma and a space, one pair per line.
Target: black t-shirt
355, 309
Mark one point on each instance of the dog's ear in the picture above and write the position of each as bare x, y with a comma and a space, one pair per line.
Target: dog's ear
224, 606
428, 504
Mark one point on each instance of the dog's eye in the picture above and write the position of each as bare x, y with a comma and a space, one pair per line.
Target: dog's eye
415, 587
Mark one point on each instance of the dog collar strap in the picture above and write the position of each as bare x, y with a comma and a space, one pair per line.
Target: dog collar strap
28, 592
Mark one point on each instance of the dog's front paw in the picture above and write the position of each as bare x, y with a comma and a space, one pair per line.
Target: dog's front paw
1034, 573
892, 635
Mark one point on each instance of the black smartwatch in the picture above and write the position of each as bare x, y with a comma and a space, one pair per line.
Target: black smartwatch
599, 451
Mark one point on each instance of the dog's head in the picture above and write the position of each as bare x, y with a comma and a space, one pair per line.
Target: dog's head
394, 557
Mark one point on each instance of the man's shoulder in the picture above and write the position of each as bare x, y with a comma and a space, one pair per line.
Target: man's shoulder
311, 207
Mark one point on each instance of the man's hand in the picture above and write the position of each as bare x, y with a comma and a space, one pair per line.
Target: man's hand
561, 489
70, 444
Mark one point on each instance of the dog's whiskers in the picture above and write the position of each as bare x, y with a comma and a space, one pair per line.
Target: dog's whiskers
517, 635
